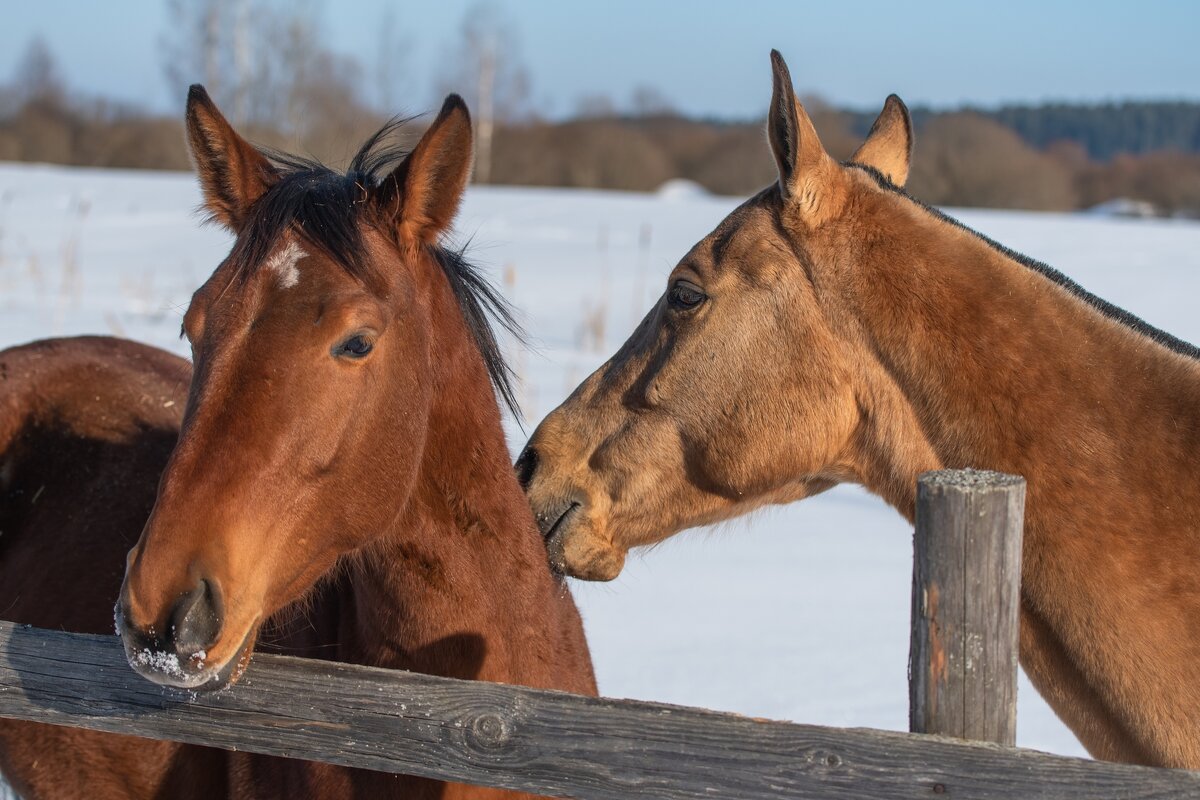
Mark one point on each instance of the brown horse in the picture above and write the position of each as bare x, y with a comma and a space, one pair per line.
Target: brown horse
335, 480
833, 329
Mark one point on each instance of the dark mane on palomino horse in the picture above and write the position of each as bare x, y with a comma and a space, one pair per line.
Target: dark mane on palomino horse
831, 329
329, 479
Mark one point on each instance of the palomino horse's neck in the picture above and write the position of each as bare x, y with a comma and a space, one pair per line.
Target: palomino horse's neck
460, 585
986, 362
1000, 366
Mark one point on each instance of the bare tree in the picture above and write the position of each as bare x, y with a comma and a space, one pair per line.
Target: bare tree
967, 159
264, 62
389, 63
243, 63
193, 46
649, 101
491, 77
37, 78
595, 105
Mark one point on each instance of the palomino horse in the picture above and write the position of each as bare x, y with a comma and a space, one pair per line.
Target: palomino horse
340, 480
833, 329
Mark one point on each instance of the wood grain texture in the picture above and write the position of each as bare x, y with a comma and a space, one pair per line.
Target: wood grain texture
966, 597
544, 742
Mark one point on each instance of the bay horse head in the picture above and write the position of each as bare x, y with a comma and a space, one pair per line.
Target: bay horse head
742, 385
314, 375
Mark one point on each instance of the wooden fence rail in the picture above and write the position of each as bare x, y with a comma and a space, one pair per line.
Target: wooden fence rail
544, 742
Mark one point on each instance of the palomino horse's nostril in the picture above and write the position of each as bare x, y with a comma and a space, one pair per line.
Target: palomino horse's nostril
526, 465
196, 621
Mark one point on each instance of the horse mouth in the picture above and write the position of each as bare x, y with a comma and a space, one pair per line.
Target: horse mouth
550, 533
193, 672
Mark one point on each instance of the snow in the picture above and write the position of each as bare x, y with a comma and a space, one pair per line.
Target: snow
159, 661
797, 613
1125, 207
680, 189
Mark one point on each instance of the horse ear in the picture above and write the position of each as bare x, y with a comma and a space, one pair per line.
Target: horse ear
804, 166
233, 173
888, 147
422, 195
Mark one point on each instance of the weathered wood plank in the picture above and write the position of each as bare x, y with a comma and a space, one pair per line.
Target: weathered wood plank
966, 595
545, 742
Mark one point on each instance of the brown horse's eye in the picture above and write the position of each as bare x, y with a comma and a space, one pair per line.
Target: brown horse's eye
354, 347
685, 296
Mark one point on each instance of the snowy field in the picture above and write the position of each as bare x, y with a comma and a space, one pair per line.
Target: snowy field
799, 613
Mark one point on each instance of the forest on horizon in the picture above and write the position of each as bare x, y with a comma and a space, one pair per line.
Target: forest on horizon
297, 95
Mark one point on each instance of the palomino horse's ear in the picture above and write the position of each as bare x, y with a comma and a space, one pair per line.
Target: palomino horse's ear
233, 174
804, 167
422, 195
888, 147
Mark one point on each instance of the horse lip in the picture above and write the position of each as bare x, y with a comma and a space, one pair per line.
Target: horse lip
553, 540
233, 669
549, 534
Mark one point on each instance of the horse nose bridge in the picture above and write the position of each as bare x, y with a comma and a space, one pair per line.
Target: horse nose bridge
178, 551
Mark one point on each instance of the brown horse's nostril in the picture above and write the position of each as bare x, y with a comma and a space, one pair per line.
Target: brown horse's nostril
195, 621
526, 465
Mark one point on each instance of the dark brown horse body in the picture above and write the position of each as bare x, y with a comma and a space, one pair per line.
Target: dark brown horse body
832, 329
335, 480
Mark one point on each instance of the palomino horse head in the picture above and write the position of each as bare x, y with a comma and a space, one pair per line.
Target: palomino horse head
311, 389
741, 387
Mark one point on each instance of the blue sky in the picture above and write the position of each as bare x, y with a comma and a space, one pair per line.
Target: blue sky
709, 58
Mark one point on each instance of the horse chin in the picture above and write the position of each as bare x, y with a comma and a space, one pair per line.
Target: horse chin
580, 551
195, 674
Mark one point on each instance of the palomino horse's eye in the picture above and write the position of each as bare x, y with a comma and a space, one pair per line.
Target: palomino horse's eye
684, 296
354, 347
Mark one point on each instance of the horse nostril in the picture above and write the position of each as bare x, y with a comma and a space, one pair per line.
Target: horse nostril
196, 620
526, 465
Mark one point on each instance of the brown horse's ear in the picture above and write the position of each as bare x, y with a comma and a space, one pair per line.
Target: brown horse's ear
233, 174
422, 195
888, 147
805, 169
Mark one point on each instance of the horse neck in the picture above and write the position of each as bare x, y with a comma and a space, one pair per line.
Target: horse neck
989, 363
1001, 367
460, 585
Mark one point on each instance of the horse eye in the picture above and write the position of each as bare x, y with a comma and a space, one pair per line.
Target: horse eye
354, 347
685, 296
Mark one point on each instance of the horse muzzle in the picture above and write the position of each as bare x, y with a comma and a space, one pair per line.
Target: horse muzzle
178, 653
576, 543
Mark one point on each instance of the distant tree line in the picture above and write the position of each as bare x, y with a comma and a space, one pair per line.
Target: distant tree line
1110, 129
266, 66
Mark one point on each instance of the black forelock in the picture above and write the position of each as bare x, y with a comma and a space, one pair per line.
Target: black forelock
326, 208
322, 205
1106, 308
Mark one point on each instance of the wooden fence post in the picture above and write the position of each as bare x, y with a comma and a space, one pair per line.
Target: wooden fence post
962, 670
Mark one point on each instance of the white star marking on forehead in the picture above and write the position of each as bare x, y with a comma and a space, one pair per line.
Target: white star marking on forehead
283, 264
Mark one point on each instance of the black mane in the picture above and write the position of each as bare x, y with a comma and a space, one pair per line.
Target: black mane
1106, 308
326, 207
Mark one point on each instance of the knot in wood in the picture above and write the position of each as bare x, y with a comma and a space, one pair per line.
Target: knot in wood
489, 731
825, 760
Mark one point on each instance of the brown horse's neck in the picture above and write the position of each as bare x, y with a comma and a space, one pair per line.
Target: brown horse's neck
982, 361
460, 585
999, 366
